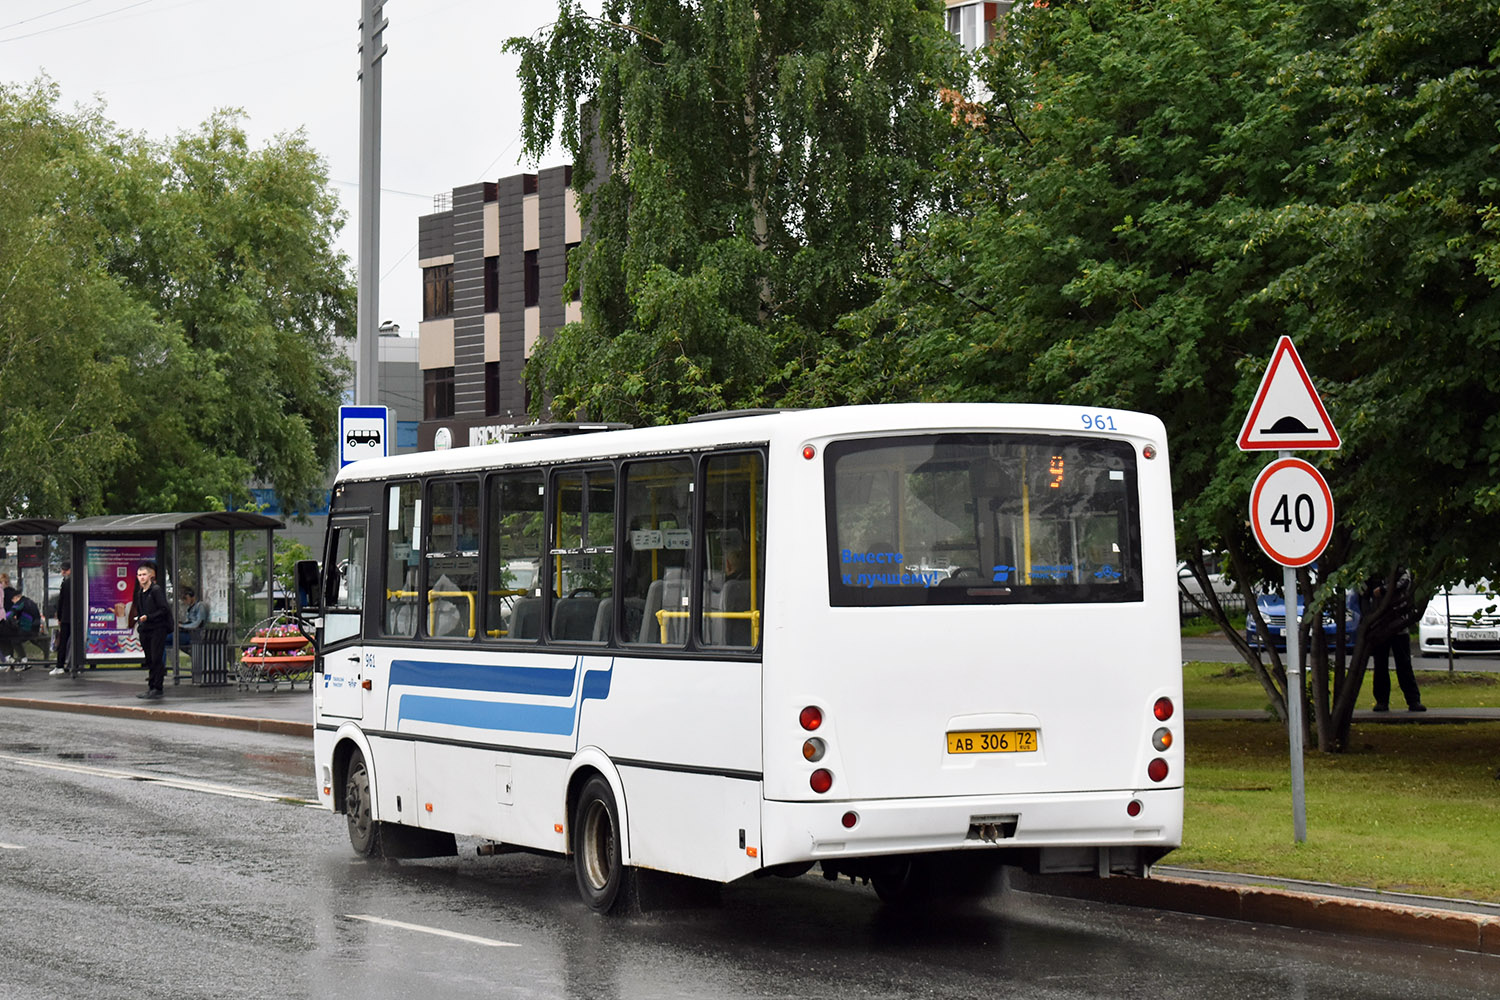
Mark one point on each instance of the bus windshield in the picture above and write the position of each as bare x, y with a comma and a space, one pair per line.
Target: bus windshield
982, 518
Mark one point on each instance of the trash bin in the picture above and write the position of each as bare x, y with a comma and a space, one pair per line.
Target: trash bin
208, 657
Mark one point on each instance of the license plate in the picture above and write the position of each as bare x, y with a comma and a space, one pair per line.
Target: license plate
1476, 634
993, 741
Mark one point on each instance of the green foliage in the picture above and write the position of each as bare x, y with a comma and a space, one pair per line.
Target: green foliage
759, 159
171, 317
1156, 191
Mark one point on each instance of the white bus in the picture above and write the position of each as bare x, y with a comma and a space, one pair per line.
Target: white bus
881, 639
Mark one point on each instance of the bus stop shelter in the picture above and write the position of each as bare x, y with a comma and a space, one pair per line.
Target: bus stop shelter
226, 557
37, 559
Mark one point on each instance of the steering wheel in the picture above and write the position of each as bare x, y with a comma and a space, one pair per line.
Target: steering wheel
583, 590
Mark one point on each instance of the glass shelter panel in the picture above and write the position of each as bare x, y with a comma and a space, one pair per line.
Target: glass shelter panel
253, 587
734, 517
517, 549
453, 558
658, 542
982, 518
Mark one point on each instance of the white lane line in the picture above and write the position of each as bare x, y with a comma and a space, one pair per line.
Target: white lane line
490, 942
11, 847
181, 783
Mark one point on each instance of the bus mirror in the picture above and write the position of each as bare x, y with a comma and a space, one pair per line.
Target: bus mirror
309, 585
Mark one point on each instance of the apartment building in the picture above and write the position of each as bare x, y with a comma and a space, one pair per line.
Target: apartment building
494, 259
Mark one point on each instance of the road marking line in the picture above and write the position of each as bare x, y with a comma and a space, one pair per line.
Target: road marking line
158, 779
490, 942
12, 847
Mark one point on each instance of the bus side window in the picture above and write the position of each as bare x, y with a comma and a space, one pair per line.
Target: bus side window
517, 538
345, 583
583, 550
733, 575
658, 549
452, 558
403, 515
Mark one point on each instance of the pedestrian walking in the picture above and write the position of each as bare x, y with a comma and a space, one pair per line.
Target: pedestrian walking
153, 620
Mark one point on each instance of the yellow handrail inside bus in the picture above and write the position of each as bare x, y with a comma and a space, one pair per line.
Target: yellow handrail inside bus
433, 595
753, 617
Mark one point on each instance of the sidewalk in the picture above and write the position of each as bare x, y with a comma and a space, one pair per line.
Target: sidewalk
113, 692
1446, 923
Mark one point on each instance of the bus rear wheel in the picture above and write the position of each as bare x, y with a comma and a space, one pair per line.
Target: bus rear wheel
604, 881
364, 829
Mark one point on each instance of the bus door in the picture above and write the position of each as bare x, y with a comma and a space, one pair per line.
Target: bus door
342, 651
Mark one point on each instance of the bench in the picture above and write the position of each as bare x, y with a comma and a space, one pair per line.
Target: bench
17, 646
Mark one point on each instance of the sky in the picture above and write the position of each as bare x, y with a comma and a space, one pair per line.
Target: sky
451, 107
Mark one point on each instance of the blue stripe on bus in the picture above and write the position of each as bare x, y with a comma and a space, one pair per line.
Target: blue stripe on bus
553, 720
553, 682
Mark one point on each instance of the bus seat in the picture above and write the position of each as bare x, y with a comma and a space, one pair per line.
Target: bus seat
526, 618
573, 618
604, 618
665, 594
736, 631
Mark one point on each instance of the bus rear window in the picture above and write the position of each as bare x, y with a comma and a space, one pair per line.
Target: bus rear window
982, 518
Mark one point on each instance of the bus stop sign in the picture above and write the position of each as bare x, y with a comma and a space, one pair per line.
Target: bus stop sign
362, 433
1291, 511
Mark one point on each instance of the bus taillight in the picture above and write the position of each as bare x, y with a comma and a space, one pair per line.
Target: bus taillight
821, 780
1162, 709
811, 717
1162, 738
814, 749
1157, 770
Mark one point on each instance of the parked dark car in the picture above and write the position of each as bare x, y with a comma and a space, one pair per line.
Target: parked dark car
1273, 610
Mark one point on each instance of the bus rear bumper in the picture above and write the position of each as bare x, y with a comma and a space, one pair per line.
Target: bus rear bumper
816, 831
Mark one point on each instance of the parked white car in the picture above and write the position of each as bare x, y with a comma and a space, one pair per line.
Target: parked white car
1470, 613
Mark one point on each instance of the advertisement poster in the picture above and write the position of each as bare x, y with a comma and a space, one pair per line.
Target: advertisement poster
109, 580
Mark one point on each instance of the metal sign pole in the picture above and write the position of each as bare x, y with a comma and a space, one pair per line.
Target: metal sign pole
1294, 701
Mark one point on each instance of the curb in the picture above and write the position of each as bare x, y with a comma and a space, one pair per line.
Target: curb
1474, 932
246, 723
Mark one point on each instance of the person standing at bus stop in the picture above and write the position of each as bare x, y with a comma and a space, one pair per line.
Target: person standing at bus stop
153, 619
64, 619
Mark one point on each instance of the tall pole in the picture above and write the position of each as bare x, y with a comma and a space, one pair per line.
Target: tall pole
372, 49
1294, 689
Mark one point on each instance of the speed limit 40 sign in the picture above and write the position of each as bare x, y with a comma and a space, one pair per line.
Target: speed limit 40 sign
1291, 511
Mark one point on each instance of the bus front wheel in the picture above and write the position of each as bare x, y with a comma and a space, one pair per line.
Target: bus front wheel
364, 830
604, 881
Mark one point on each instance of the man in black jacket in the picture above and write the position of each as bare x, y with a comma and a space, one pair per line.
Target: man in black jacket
153, 620
64, 619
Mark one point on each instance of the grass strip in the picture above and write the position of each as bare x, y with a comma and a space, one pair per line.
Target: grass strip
1408, 809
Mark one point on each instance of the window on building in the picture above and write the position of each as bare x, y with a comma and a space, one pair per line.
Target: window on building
575, 266
533, 279
491, 388
492, 284
974, 25
437, 393
437, 291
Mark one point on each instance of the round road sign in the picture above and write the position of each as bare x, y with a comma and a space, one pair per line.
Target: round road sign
1291, 511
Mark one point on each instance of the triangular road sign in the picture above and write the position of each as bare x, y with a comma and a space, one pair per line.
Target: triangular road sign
1287, 413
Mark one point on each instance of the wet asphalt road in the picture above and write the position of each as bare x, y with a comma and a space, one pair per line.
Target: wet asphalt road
121, 875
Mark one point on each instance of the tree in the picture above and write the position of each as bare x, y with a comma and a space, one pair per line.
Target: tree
233, 250
169, 314
60, 390
1154, 192
743, 169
